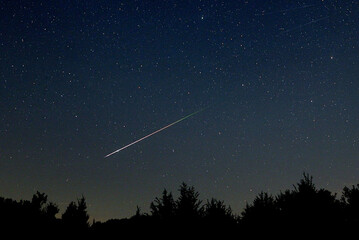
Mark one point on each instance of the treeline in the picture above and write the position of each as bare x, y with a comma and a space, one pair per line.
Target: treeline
38, 216
304, 209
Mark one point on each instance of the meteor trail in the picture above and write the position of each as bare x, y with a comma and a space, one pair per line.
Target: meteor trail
286, 10
157, 131
305, 24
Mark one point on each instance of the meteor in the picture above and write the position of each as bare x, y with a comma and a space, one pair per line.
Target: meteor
286, 10
157, 131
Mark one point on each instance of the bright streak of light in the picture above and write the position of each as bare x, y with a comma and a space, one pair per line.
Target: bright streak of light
157, 131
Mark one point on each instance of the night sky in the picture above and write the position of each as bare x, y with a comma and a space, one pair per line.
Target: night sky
279, 81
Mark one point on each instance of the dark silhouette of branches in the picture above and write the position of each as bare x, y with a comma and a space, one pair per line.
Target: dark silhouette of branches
163, 208
37, 215
188, 206
75, 216
302, 209
350, 200
219, 217
261, 212
216, 210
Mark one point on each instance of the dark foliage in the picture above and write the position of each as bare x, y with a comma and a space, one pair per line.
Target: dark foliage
303, 210
163, 208
75, 217
188, 206
350, 200
261, 213
19, 217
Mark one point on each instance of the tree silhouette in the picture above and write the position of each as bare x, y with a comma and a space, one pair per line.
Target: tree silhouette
43, 210
188, 205
75, 216
51, 210
308, 207
163, 208
261, 214
38, 200
350, 200
217, 213
304, 210
31, 217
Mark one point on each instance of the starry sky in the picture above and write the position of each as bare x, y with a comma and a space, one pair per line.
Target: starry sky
80, 79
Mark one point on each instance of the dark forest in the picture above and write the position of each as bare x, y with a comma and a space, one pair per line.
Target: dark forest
301, 210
